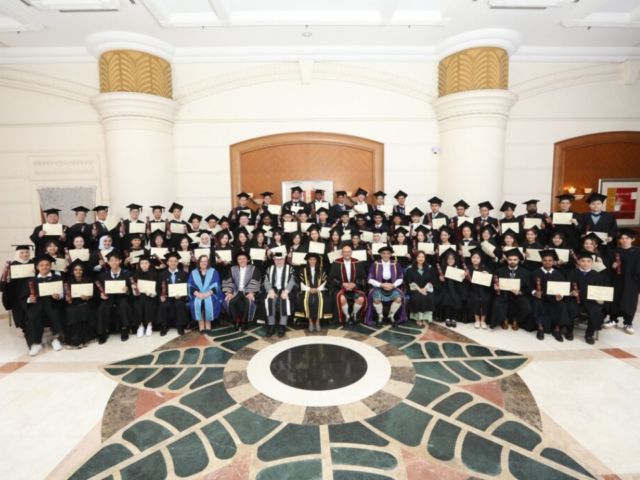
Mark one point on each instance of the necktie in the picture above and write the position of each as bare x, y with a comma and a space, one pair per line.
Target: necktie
584, 274
512, 274
173, 277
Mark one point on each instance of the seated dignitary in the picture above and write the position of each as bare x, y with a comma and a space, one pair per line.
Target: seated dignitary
279, 283
312, 302
173, 301
581, 278
549, 311
44, 299
424, 286
512, 303
385, 276
347, 278
240, 289
114, 312
205, 294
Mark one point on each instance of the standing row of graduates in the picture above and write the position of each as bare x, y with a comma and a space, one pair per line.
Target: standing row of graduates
275, 287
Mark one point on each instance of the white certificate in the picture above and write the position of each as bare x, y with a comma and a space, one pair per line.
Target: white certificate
296, 209
560, 218
194, 237
199, 252
461, 220
177, 289
215, 229
298, 258
559, 288
22, 271
161, 226
246, 210
515, 226
48, 289
114, 287
384, 238
161, 252
320, 205
59, 265
454, 273
600, 293
466, 250
481, 278
377, 246
137, 227
346, 236
438, 222
508, 284
563, 254
366, 236
147, 286
79, 254
506, 250
177, 228
274, 209
281, 249
602, 236
533, 255
598, 266
444, 248
111, 222
316, 247
532, 222
352, 214
82, 290
304, 226
52, 229
387, 209
426, 247
136, 253
333, 256
185, 257
325, 232
257, 254
399, 250
290, 227
487, 247
225, 255
360, 255
363, 209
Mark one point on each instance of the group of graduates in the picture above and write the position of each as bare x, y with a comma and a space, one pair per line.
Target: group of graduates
351, 261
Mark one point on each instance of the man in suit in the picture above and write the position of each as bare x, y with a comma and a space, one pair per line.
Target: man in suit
512, 302
173, 309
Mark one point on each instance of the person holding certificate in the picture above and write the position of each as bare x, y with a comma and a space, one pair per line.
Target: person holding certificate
144, 303
592, 243
385, 277
444, 243
296, 205
480, 295
44, 299
130, 231
98, 258
178, 228
424, 287
79, 249
625, 276
435, 204
224, 244
467, 240
234, 214
100, 227
81, 228
379, 223
240, 289
157, 225
509, 221
549, 305
279, 283
513, 301
571, 227
13, 284
558, 242
81, 312
55, 232
531, 216
361, 206
205, 294
598, 220
509, 241
172, 290
312, 301
400, 207
531, 243
401, 240
340, 206
579, 304
52, 248
453, 292
347, 278
114, 312
491, 253
458, 219
485, 217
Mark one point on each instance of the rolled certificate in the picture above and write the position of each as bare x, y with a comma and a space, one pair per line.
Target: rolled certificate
33, 291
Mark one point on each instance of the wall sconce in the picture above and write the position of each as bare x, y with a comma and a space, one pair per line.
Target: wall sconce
587, 191
571, 190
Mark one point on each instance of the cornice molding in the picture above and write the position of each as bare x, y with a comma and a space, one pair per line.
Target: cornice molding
135, 106
36, 82
475, 103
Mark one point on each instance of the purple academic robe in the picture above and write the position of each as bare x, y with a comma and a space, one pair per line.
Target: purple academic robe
375, 273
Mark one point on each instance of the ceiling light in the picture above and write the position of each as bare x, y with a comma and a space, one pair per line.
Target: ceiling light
306, 32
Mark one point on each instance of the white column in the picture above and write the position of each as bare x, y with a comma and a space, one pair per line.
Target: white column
472, 133
138, 130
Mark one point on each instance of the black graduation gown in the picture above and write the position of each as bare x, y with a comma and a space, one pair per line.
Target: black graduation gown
428, 218
114, 313
286, 207
594, 310
94, 261
529, 264
234, 214
81, 317
335, 211
12, 292
479, 298
46, 312
542, 235
507, 305
39, 242
125, 242
222, 268
571, 232
452, 297
83, 229
553, 312
144, 307
627, 284
102, 231
313, 306
172, 312
176, 238
419, 303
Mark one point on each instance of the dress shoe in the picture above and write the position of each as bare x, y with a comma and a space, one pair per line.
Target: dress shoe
124, 335
505, 325
180, 331
515, 327
540, 335
163, 332
271, 331
558, 336
569, 336
103, 339
590, 340
453, 324
394, 323
281, 331
448, 323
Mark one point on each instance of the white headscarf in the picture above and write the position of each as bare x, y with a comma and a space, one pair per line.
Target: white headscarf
16, 257
205, 245
105, 251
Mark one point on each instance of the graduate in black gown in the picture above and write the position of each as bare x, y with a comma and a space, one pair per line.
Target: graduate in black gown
13, 288
549, 311
144, 304
453, 292
513, 304
625, 278
557, 241
99, 228
81, 312
572, 231
337, 208
43, 310
598, 220
172, 309
114, 311
492, 255
424, 289
80, 228
435, 204
578, 305
223, 239
39, 236
531, 242
510, 221
532, 213
479, 297
178, 227
296, 205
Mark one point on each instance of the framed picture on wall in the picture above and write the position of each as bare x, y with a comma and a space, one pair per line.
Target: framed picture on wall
622, 199
308, 189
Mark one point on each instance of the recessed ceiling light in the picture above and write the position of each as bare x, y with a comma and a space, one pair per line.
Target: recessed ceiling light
307, 34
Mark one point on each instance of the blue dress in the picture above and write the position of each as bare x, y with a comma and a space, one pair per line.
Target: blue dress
209, 306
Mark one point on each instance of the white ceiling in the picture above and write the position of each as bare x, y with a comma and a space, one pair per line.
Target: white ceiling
218, 30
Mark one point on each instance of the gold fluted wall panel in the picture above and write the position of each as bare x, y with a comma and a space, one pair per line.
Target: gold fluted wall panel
482, 68
139, 72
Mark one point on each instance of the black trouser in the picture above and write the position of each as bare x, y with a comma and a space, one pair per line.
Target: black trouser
239, 307
113, 314
277, 305
173, 313
37, 318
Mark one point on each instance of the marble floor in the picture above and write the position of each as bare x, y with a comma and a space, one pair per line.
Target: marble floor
442, 404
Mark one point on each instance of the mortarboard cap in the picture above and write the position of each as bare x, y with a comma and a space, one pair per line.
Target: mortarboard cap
243, 195
386, 248
156, 207
45, 257
398, 230
530, 202
22, 247
341, 193
514, 252
114, 254
507, 205
594, 197
416, 212
211, 217
322, 210
195, 216
101, 207
379, 193
80, 209
134, 206
361, 191
435, 200
549, 253
175, 206
266, 194
296, 189
401, 194
566, 196
627, 232
485, 204
461, 203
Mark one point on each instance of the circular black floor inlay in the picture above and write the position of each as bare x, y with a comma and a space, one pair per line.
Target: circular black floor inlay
319, 367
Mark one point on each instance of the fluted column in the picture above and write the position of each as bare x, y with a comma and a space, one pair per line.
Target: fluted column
472, 111
137, 112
